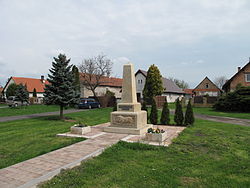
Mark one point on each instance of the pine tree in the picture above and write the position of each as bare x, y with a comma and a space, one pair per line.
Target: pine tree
34, 92
61, 90
189, 115
154, 113
144, 106
76, 78
178, 117
21, 93
153, 85
165, 115
11, 90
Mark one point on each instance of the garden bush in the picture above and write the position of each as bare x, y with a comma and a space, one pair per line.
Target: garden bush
165, 115
178, 116
236, 101
154, 113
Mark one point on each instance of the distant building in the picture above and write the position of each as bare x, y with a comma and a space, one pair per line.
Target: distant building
31, 84
242, 77
171, 90
206, 87
107, 84
1, 92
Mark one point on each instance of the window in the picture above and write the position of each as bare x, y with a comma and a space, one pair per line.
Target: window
206, 85
248, 77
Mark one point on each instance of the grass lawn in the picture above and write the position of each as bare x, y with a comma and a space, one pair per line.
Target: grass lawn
209, 154
24, 139
32, 109
212, 112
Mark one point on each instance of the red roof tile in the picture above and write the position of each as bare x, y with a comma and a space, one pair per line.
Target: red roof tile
188, 91
109, 81
31, 83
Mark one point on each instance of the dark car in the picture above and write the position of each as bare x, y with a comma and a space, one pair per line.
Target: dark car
88, 103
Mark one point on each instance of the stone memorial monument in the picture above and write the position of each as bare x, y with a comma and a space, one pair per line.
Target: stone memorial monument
129, 118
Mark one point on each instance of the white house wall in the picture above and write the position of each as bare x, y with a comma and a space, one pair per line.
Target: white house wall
100, 91
171, 97
140, 80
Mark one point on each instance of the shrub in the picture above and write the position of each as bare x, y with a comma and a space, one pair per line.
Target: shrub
178, 116
165, 116
115, 106
154, 113
189, 115
238, 100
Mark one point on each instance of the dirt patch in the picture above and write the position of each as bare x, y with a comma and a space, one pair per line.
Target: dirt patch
199, 133
70, 120
189, 180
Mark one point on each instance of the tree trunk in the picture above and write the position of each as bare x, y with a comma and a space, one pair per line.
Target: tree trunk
61, 112
96, 98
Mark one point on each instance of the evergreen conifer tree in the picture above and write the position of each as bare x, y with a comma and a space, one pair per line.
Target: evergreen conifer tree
165, 115
61, 90
189, 115
178, 116
76, 78
21, 93
34, 92
153, 85
154, 113
11, 90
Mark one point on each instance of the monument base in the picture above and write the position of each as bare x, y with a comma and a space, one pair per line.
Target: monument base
134, 131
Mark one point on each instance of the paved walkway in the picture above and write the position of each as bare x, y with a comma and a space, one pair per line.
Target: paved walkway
31, 172
11, 118
34, 171
235, 121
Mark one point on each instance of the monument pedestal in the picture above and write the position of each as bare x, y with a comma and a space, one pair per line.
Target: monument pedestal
128, 123
129, 119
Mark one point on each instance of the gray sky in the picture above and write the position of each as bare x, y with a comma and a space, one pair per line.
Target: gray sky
186, 39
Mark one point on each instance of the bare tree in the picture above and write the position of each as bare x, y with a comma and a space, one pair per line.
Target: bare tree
220, 81
180, 83
93, 72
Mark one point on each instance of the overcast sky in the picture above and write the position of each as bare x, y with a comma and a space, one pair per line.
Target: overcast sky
186, 39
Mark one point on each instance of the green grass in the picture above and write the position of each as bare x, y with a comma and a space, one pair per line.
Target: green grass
32, 109
209, 154
24, 139
212, 112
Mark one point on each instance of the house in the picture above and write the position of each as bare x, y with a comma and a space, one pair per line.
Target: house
171, 90
188, 93
206, 87
242, 77
31, 84
106, 84
1, 92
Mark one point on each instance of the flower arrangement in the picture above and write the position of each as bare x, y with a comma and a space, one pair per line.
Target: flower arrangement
80, 124
156, 131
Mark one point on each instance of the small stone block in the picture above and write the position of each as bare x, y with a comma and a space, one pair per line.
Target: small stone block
80, 130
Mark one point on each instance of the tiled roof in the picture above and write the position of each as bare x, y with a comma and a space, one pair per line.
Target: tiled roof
206, 90
108, 81
169, 85
231, 79
188, 91
31, 83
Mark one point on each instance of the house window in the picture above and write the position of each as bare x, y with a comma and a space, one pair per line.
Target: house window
206, 85
248, 77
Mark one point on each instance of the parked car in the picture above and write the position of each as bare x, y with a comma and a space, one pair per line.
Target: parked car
88, 103
12, 101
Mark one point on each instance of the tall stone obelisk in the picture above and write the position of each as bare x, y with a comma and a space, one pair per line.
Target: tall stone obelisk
129, 118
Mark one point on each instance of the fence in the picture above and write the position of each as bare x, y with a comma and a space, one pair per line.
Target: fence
201, 101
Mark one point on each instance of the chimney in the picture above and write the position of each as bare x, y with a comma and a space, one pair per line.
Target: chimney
238, 69
42, 79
